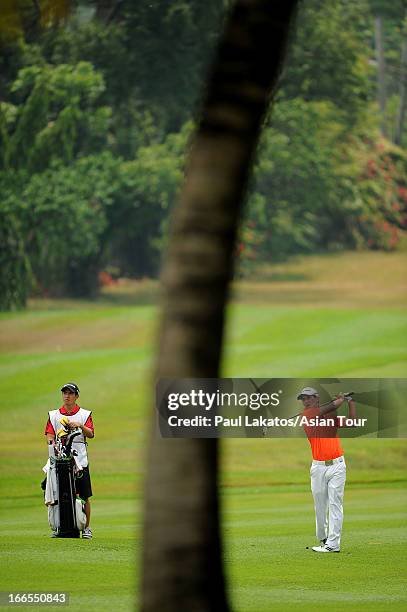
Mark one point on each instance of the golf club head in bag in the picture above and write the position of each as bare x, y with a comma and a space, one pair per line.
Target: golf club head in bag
69, 439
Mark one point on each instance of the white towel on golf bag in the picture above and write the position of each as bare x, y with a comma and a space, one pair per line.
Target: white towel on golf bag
80, 514
51, 489
51, 453
53, 517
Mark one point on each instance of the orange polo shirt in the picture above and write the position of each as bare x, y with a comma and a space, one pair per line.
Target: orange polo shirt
324, 441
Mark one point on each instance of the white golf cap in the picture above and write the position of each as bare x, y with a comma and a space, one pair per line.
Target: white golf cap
307, 391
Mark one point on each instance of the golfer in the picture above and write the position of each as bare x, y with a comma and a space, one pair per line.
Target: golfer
328, 468
77, 417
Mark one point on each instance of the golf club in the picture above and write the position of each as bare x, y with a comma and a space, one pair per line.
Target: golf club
348, 395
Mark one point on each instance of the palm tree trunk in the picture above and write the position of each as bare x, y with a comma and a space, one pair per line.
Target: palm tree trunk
182, 557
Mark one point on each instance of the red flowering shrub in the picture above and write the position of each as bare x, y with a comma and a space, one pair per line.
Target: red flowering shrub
382, 189
105, 279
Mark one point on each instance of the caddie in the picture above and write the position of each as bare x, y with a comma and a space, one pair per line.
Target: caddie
328, 468
75, 416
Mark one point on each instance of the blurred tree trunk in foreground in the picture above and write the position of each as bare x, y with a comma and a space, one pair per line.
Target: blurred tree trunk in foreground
182, 544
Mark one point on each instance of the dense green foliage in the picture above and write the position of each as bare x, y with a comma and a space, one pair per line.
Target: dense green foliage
94, 125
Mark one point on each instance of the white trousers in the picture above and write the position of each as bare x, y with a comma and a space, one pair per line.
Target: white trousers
327, 486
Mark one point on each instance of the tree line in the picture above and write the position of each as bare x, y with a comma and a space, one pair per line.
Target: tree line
98, 103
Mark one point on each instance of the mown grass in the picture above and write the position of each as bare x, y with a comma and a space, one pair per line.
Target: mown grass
267, 533
107, 347
98, 574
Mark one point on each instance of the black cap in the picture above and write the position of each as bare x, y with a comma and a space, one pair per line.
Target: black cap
71, 387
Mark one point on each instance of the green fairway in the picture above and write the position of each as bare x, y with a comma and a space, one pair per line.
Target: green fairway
98, 574
107, 348
267, 532
271, 342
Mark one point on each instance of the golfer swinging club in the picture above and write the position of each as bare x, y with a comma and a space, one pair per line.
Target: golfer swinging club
328, 468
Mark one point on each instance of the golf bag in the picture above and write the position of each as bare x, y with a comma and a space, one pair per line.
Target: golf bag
66, 515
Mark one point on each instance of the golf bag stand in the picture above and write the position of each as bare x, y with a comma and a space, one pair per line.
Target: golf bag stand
66, 498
